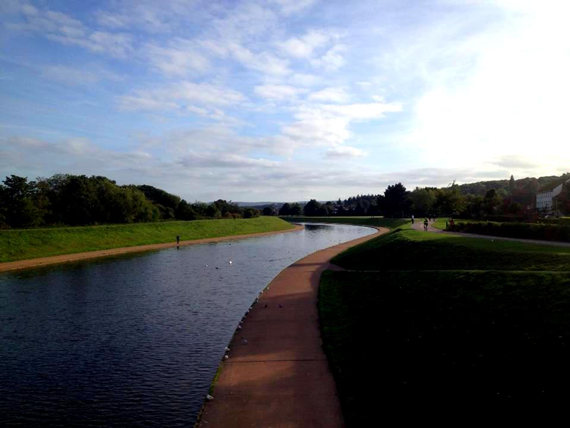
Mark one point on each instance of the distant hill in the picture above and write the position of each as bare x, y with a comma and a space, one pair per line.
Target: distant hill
529, 184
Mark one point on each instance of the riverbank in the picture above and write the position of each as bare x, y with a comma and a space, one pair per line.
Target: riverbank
135, 238
278, 376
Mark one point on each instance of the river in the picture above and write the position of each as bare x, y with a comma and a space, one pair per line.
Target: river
133, 340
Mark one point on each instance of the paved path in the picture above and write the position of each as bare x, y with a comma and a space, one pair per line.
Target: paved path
280, 378
419, 225
44, 261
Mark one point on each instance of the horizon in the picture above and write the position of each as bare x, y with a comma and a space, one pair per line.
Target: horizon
303, 99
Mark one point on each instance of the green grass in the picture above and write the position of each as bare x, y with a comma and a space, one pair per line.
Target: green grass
31, 243
425, 345
390, 223
414, 250
427, 325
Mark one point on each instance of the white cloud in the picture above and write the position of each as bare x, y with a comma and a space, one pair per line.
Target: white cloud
304, 46
289, 7
306, 80
277, 92
64, 29
263, 62
180, 58
344, 152
185, 96
332, 60
334, 95
77, 76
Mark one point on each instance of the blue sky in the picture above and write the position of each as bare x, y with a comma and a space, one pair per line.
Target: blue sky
284, 100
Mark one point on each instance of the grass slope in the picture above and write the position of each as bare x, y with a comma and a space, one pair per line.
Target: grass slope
413, 250
416, 344
431, 327
31, 243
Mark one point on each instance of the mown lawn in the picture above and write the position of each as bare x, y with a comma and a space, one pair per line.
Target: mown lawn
427, 327
31, 243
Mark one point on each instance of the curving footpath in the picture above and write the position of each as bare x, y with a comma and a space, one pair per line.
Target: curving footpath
418, 225
45, 261
280, 377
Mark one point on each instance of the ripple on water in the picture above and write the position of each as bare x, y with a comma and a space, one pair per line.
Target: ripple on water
133, 340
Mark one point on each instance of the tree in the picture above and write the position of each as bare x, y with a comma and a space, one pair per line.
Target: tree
422, 201
16, 200
285, 209
449, 201
396, 201
563, 200
312, 208
296, 209
268, 211
491, 202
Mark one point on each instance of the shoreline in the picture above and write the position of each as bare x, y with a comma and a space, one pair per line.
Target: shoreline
66, 258
280, 376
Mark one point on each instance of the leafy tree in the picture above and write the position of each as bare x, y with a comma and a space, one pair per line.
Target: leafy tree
396, 201
312, 208
423, 201
17, 201
251, 213
450, 201
563, 200
296, 209
285, 209
185, 211
268, 211
491, 202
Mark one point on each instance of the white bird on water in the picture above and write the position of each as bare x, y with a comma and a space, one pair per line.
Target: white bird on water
230, 262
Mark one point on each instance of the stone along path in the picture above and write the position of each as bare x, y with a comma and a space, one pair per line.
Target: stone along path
277, 374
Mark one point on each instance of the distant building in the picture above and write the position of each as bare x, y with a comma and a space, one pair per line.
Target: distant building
545, 196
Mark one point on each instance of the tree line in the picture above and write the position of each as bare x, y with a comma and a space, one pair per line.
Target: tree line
511, 200
78, 200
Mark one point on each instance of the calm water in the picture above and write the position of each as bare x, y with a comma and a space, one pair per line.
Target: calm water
133, 340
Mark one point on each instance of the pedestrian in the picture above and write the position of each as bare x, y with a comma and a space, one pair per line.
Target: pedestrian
425, 224
451, 222
412, 219
177, 239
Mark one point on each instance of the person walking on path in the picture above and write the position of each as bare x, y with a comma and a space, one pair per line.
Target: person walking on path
177, 239
426, 224
413, 219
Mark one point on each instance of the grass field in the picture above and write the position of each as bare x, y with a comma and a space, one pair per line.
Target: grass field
31, 243
438, 327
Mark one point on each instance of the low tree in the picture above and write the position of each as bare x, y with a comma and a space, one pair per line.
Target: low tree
285, 209
296, 209
312, 208
269, 211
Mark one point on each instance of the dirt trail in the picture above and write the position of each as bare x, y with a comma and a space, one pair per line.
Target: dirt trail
280, 377
44, 261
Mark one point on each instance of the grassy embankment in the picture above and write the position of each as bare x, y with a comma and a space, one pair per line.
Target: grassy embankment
432, 326
31, 243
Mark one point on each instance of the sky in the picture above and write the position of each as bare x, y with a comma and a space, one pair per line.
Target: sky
284, 100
